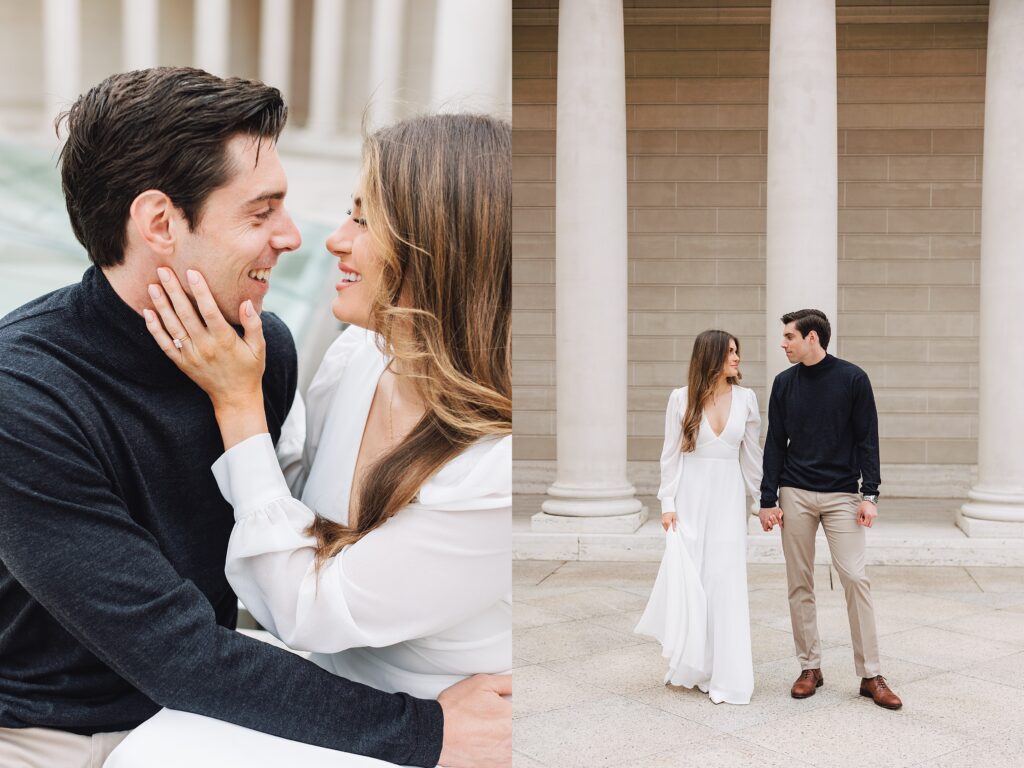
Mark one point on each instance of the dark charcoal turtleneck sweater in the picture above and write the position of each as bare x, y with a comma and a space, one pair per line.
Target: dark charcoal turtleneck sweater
113, 599
822, 431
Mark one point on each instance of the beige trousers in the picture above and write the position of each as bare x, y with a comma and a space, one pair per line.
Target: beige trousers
837, 514
50, 748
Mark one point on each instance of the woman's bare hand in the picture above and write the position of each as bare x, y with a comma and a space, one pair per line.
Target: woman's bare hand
228, 367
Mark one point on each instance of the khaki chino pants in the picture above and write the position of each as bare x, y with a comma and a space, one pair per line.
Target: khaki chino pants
50, 748
837, 513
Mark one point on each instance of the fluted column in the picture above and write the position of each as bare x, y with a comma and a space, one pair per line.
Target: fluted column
473, 56
140, 37
996, 506
276, 44
386, 47
591, 492
803, 171
325, 80
212, 35
62, 58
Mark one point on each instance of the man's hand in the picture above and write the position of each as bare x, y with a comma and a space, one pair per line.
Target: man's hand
769, 516
866, 514
477, 723
667, 519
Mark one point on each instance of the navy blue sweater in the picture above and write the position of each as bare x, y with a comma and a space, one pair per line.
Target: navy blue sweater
113, 599
822, 431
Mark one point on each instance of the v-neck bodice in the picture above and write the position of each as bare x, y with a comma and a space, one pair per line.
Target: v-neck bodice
728, 442
728, 418
332, 459
729, 433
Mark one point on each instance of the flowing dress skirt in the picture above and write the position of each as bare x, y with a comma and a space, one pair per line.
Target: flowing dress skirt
698, 608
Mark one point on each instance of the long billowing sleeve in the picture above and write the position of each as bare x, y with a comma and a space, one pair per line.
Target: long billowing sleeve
774, 448
751, 456
671, 455
433, 565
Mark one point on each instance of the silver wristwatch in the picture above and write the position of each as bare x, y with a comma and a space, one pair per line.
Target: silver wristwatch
872, 497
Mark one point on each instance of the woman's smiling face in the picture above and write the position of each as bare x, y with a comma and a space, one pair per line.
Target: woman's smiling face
358, 263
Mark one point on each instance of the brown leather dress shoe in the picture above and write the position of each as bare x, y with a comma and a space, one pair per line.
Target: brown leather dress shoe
809, 681
880, 692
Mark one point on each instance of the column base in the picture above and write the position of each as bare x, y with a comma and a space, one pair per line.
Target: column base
577, 508
992, 513
971, 519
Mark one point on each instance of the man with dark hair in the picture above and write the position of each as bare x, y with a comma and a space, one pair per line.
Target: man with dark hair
822, 440
113, 534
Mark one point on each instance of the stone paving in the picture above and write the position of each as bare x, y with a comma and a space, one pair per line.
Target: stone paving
588, 691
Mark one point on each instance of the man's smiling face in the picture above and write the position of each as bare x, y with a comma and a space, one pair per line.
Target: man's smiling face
243, 228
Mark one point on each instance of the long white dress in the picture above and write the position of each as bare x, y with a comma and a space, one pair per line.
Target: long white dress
698, 607
416, 605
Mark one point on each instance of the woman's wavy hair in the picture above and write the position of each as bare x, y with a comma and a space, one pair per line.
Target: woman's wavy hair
437, 194
710, 350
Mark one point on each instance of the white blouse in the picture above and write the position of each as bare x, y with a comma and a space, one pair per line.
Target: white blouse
673, 460
415, 605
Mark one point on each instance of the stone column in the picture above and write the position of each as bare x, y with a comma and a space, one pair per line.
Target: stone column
591, 492
803, 171
996, 506
325, 77
212, 35
386, 47
140, 37
62, 58
276, 44
473, 56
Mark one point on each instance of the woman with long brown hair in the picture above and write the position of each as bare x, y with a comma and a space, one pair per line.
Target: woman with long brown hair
392, 564
698, 607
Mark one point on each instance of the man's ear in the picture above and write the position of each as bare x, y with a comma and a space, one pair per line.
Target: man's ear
814, 337
153, 216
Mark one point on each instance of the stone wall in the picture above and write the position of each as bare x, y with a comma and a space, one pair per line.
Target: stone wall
910, 134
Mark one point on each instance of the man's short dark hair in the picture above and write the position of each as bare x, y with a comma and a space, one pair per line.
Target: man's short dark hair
164, 128
808, 320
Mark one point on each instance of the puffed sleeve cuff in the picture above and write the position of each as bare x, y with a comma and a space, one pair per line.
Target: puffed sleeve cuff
249, 476
768, 502
668, 505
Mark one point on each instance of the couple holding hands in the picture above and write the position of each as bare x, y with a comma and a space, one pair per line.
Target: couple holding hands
820, 466
369, 525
